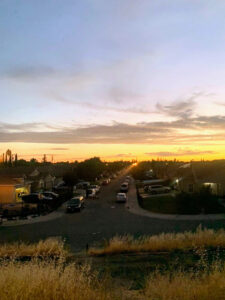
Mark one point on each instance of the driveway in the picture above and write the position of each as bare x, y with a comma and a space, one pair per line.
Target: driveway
101, 219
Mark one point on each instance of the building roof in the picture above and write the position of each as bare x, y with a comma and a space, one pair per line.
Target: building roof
4, 180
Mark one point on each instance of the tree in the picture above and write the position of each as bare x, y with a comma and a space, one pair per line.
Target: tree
44, 159
70, 178
90, 169
33, 161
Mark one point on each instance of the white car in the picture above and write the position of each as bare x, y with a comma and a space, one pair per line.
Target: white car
127, 178
158, 189
95, 187
121, 197
91, 193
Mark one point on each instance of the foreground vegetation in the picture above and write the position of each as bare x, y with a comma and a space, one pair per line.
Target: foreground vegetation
204, 285
50, 279
51, 247
207, 238
52, 274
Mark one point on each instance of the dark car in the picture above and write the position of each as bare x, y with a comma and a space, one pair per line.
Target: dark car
18, 209
75, 204
50, 195
44, 203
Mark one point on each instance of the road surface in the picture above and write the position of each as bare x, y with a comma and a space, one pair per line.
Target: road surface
101, 219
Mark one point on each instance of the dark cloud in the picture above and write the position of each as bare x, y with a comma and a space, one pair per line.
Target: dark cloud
24, 127
180, 109
120, 95
59, 149
122, 155
142, 133
27, 72
179, 153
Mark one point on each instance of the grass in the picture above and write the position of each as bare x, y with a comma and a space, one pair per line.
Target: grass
51, 247
162, 204
58, 279
50, 280
187, 286
207, 238
183, 204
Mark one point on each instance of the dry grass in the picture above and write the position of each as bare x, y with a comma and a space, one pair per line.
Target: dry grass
187, 286
203, 238
56, 281
51, 247
51, 281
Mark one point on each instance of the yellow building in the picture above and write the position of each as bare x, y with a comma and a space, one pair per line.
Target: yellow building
12, 189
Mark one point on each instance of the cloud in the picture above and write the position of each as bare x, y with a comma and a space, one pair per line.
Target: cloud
179, 109
122, 155
24, 127
200, 129
59, 149
220, 103
27, 72
179, 153
104, 107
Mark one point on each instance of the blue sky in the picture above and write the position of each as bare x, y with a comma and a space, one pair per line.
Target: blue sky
93, 64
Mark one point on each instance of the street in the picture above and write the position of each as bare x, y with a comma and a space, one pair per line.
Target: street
101, 219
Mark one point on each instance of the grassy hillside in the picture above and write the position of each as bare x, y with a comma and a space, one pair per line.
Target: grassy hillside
53, 273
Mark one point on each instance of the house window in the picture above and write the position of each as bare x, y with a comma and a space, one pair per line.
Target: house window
190, 188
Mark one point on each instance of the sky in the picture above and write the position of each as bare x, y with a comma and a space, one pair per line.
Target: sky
118, 79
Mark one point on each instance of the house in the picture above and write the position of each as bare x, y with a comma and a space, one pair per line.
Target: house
30, 179
187, 179
11, 189
192, 177
41, 180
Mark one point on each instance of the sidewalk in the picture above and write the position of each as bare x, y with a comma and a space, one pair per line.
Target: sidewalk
49, 217
133, 207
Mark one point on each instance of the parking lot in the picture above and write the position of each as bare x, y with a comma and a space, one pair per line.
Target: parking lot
101, 219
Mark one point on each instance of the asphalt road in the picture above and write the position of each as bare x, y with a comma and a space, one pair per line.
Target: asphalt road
101, 219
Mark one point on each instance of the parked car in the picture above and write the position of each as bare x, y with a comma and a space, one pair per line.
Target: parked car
121, 197
95, 187
51, 195
124, 187
44, 203
91, 193
128, 178
158, 189
75, 204
83, 185
106, 181
79, 192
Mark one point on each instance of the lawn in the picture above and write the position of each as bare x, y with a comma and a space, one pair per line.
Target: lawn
182, 204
